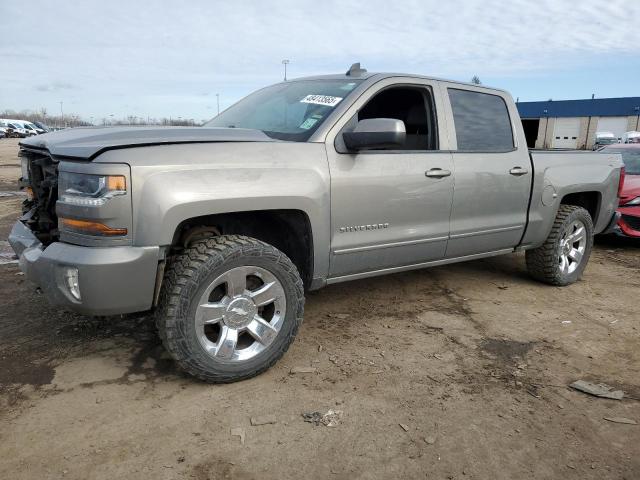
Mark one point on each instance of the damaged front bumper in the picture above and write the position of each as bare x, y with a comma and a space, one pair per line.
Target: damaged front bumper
110, 280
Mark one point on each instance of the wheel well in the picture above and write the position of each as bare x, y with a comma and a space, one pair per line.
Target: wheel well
590, 201
287, 230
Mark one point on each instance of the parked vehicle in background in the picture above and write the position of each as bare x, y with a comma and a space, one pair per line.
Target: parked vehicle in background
631, 137
27, 128
604, 138
6, 129
15, 129
30, 128
301, 184
34, 127
42, 126
629, 222
3, 132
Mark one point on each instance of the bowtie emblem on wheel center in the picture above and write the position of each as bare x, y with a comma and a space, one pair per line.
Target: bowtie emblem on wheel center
240, 312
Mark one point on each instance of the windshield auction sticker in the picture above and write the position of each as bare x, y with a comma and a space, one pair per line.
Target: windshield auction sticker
326, 100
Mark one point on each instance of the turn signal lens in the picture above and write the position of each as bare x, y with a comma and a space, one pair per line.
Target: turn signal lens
116, 183
91, 228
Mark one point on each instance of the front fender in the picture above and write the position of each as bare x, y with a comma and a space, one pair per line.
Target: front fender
175, 183
170, 198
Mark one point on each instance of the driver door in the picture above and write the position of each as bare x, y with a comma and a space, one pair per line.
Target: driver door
390, 208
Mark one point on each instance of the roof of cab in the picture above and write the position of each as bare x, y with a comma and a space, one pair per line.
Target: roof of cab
363, 74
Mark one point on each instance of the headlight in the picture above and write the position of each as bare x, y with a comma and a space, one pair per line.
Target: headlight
635, 201
89, 190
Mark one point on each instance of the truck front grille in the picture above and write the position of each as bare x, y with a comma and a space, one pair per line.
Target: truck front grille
40, 210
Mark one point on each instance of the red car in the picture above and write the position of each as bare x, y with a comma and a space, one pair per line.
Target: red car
629, 223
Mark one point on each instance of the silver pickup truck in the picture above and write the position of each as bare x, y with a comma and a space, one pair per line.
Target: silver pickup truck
219, 230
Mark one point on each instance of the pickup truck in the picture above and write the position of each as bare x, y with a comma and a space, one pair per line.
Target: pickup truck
219, 230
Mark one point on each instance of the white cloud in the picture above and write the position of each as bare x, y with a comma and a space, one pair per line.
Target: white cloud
160, 56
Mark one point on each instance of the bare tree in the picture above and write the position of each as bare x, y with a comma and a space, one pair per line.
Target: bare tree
476, 80
74, 120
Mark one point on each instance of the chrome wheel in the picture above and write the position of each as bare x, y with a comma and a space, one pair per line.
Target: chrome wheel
240, 314
572, 247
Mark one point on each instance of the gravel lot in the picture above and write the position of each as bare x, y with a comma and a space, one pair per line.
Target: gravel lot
452, 372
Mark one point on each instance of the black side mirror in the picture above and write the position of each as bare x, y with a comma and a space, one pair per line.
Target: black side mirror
376, 133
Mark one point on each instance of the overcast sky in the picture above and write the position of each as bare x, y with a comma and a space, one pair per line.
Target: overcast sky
170, 58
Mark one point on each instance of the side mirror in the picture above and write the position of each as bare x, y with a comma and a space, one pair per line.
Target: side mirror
376, 133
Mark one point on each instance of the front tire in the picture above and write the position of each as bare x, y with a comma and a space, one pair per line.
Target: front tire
229, 308
565, 253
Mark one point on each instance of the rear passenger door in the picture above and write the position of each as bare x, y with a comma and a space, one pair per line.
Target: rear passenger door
492, 172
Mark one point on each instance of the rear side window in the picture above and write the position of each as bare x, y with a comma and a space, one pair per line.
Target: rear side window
482, 121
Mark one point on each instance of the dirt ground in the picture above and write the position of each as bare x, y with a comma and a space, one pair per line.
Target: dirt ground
452, 372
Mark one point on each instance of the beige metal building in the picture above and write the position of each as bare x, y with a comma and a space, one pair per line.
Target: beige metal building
574, 123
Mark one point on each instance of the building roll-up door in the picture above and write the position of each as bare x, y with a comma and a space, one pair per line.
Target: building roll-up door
615, 125
565, 133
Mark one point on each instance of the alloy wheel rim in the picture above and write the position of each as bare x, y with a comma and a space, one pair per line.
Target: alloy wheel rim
240, 314
573, 244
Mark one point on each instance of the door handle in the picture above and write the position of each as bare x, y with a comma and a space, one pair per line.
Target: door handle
517, 171
437, 173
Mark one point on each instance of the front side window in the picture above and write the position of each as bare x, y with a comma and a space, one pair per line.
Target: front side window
287, 111
412, 105
481, 120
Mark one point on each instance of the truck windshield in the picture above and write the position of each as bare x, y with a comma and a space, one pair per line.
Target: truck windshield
287, 111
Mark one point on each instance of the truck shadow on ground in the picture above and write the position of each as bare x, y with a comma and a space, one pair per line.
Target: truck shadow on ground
616, 241
35, 352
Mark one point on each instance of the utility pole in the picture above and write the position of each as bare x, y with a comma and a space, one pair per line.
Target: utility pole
61, 115
285, 63
218, 102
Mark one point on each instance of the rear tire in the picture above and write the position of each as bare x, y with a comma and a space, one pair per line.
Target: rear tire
565, 253
229, 308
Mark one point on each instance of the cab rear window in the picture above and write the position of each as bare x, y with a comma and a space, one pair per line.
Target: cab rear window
481, 121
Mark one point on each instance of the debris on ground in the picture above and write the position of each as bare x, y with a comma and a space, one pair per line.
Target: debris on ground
329, 419
7, 255
597, 390
295, 370
429, 440
263, 420
238, 432
13, 194
404, 427
339, 316
627, 421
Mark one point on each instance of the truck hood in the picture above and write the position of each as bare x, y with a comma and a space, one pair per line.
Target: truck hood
88, 142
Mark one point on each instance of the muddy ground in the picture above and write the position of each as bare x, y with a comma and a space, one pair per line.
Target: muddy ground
452, 372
